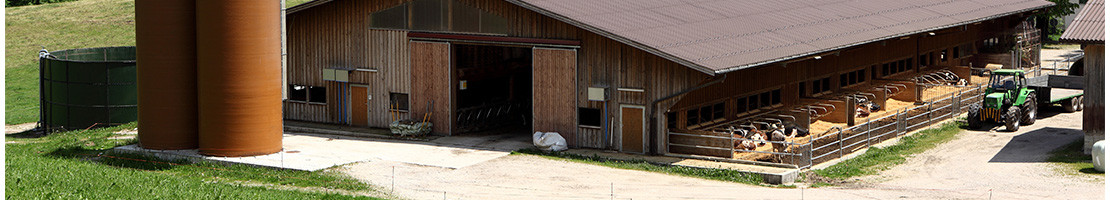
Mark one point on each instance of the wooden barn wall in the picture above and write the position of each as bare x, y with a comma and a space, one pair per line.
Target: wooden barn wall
336, 34
432, 85
1094, 127
867, 56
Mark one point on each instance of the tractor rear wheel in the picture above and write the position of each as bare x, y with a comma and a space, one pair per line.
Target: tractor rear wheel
973, 118
1030, 108
1070, 105
1012, 118
1079, 103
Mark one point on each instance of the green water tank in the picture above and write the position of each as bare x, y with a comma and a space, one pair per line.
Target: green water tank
82, 88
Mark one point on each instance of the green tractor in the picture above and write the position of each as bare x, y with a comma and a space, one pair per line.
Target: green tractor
1012, 100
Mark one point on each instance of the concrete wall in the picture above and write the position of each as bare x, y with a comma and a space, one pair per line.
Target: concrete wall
1093, 125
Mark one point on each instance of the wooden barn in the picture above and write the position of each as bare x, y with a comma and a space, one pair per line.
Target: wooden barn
616, 74
1088, 30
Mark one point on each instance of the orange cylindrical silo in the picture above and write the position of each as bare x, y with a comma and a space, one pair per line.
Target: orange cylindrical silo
239, 77
167, 73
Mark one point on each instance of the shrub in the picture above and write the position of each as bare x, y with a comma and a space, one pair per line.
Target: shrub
11, 3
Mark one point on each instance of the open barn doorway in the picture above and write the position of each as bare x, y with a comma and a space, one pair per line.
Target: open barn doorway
494, 93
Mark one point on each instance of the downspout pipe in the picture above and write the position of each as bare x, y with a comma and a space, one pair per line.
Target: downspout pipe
653, 138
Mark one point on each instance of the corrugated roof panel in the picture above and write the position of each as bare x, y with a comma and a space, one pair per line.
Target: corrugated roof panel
1089, 26
724, 35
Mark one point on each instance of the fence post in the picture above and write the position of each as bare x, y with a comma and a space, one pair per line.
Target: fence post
840, 142
868, 131
956, 103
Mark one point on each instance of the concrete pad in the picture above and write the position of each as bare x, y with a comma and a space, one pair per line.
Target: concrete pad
310, 152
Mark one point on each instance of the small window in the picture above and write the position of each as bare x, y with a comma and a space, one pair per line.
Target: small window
956, 52
802, 89
844, 80
944, 55
318, 94
672, 120
742, 105
765, 99
776, 97
589, 117
399, 101
298, 93
706, 114
825, 85
861, 76
719, 111
692, 117
753, 102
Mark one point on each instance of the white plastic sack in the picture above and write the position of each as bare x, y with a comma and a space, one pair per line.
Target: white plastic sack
1098, 155
549, 141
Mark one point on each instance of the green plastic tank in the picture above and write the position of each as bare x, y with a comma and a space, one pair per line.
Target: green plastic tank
84, 88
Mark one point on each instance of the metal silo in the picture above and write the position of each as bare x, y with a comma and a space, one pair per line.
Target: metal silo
239, 77
167, 73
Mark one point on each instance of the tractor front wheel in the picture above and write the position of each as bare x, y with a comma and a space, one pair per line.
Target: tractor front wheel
1012, 118
973, 118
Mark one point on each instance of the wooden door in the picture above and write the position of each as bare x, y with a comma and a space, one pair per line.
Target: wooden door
632, 129
554, 92
431, 84
360, 100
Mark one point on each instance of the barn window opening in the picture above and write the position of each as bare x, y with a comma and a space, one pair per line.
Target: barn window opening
742, 105
821, 86
439, 16
852, 78
317, 94
399, 101
692, 117
672, 120
590, 117
755, 102
298, 92
894, 67
944, 55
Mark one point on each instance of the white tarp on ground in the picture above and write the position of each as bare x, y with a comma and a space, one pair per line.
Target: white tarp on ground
1098, 155
549, 141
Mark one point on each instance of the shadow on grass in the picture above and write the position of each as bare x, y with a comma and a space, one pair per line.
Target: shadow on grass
122, 160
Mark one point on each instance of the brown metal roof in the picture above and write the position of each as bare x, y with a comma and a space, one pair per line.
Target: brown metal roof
718, 36
1088, 26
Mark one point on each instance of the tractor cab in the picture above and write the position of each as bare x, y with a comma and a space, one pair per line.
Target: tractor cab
1003, 85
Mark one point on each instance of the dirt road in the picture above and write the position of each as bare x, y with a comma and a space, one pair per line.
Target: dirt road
976, 165
1008, 164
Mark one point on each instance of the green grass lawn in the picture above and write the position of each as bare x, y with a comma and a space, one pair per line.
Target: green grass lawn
712, 174
76, 165
878, 159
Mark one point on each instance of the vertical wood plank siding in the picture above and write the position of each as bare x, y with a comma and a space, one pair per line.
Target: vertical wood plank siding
553, 77
431, 85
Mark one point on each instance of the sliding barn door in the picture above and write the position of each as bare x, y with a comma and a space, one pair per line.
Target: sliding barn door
431, 85
554, 92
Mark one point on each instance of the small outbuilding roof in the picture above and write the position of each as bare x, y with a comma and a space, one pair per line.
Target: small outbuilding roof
1088, 26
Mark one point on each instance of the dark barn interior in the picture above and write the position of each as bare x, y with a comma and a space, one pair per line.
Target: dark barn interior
495, 87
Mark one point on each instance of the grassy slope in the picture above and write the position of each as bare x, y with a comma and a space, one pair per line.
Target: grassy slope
79, 24
59, 26
878, 159
66, 166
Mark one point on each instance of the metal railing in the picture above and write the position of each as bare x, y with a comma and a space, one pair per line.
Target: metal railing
1060, 65
874, 131
838, 142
